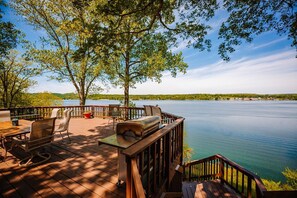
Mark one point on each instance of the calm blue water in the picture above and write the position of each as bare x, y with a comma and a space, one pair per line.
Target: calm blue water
259, 135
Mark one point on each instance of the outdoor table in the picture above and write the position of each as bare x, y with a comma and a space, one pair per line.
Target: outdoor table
120, 142
127, 139
7, 130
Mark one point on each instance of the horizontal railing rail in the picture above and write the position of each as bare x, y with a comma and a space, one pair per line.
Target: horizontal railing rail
244, 182
78, 111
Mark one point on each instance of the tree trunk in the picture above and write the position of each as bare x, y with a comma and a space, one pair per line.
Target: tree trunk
82, 99
126, 95
127, 84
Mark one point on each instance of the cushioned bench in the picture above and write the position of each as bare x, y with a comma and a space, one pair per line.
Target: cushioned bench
138, 127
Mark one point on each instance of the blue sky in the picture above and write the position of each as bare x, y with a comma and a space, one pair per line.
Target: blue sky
265, 66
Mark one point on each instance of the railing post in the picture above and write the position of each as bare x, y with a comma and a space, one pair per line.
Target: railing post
93, 111
190, 172
128, 179
222, 171
249, 188
168, 158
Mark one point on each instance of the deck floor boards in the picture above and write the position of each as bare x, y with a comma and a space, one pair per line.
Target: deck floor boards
77, 169
207, 189
80, 168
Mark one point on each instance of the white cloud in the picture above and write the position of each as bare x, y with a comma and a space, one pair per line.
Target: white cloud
276, 73
269, 43
51, 86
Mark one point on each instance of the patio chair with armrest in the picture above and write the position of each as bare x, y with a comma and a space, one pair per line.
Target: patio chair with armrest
55, 112
151, 110
41, 135
114, 113
4, 116
64, 123
156, 111
148, 110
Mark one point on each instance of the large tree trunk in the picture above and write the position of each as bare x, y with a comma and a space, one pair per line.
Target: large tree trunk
82, 99
126, 99
126, 94
127, 80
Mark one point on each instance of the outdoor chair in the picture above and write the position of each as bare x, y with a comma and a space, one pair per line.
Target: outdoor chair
4, 116
55, 112
64, 123
114, 113
156, 111
150, 110
41, 135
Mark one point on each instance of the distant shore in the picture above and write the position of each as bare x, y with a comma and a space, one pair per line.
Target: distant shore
243, 97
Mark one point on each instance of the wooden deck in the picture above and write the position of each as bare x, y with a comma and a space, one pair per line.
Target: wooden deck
79, 169
207, 189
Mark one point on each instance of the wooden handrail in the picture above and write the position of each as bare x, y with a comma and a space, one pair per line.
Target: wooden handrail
156, 157
229, 172
138, 147
100, 111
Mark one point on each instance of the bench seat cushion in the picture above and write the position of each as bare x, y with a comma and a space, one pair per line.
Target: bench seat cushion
139, 127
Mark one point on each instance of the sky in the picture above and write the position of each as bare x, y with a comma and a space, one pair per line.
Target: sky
265, 66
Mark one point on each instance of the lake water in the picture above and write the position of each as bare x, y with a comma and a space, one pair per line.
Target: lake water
259, 135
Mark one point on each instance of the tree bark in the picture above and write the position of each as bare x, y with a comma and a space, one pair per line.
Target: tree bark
127, 80
82, 99
126, 94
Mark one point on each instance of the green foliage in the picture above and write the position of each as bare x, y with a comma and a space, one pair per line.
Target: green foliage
134, 57
45, 99
290, 184
291, 176
272, 185
187, 153
250, 18
187, 21
9, 36
186, 96
15, 79
65, 25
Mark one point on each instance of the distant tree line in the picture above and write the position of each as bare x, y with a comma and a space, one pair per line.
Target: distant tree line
69, 96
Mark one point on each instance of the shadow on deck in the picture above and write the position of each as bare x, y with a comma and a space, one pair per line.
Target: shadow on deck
78, 169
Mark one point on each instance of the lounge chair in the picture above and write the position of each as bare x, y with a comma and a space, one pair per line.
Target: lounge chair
64, 123
41, 135
4, 116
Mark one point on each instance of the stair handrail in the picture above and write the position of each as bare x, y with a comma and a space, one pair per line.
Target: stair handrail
217, 167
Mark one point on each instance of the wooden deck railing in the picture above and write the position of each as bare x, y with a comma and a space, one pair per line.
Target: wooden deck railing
97, 111
241, 180
156, 157
151, 162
